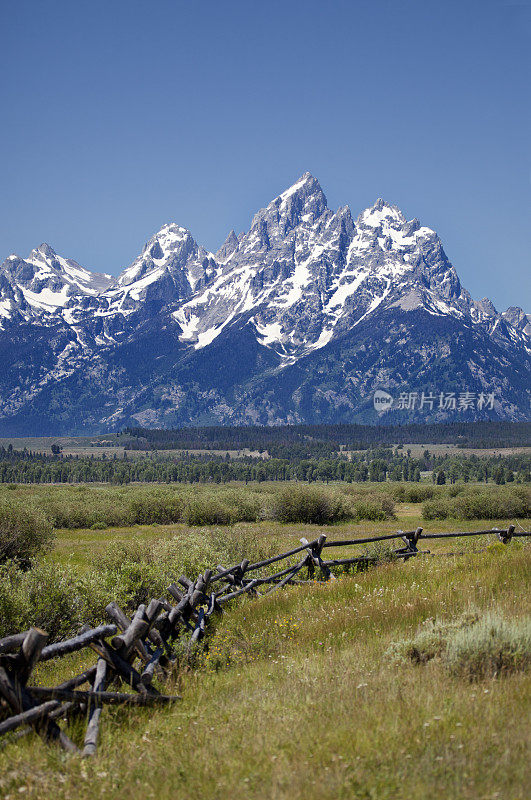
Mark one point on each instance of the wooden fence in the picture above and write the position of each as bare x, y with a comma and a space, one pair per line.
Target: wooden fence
136, 651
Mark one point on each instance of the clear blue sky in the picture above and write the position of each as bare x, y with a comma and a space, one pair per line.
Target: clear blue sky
119, 116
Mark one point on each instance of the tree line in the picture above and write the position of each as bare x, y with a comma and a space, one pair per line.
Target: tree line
484, 434
375, 465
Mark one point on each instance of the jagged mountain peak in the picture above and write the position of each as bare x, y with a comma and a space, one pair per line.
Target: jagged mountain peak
44, 257
44, 283
228, 247
487, 307
168, 238
303, 202
519, 320
384, 217
382, 213
168, 248
170, 267
305, 196
43, 249
304, 186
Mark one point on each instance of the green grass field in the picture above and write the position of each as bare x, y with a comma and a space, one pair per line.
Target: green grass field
81, 547
294, 696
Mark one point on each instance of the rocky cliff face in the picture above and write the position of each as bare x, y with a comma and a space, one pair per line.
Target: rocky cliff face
301, 318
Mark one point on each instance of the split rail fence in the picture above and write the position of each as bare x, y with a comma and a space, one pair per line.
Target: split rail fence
137, 651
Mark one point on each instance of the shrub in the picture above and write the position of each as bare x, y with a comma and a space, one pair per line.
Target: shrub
81, 507
248, 506
454, 490
470, 647
511, 503
429, 641
379, 552
133, 573
373, 507
11, 604
438, 508
222, 509
399, 492
309, 505
57, 601
162, 508
490, 648
53, 600
24, 532
46, 596
415, 493
232, 545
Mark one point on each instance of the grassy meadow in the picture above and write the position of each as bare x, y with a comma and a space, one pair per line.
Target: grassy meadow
296, 694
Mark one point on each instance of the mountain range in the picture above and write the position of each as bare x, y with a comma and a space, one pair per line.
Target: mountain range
300, 319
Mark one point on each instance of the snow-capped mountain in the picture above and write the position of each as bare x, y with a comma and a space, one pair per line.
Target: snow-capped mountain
44, 282
301, 318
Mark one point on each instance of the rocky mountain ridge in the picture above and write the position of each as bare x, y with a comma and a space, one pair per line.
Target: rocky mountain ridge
288, 296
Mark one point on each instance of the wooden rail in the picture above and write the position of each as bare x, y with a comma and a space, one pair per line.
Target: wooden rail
139, 651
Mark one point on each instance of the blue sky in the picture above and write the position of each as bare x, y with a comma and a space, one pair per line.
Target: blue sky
120, 116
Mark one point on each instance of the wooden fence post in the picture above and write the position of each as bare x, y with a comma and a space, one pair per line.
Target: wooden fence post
93, 726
